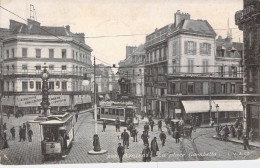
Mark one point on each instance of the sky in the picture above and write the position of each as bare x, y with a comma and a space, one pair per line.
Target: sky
121, 17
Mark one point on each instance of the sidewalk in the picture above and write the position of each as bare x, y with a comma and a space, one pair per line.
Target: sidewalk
208, 126
235, 140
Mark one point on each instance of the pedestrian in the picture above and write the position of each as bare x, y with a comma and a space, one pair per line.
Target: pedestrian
125, 136
154, 147
12, 131
145, 137
30, 133
117, 123
246, 143
120, 152
151, 124
146, 128
226, 130
236, 123
20, 133
8, 114
222, 134
162, 137
177, 136
190, 131
131, 127
212, 122
24, 133
159, 125
146, 154
233, 131
5, 140
134, 134
239, 132
251, 135
76, 116
4, 126
104, 126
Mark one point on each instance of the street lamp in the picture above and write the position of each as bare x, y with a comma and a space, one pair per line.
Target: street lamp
45, 111
217, 108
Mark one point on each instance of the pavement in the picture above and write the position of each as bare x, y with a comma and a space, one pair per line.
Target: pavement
200, 147
235, 140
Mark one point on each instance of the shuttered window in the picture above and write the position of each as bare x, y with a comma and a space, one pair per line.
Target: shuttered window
190, 47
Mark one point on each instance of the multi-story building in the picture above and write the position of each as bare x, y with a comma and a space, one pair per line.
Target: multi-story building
248, 21
31, 47
104, 81
131, 71
182, 69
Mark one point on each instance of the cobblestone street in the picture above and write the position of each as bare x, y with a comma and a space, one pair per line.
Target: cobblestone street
201, 147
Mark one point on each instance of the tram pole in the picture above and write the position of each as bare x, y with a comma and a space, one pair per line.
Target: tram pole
96, 142
95, 96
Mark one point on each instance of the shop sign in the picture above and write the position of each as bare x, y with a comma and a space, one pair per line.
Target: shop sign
35, 100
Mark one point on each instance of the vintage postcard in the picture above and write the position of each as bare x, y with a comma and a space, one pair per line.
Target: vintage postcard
133, 81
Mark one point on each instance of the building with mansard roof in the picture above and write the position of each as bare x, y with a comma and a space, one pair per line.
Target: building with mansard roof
181, 71
26, 49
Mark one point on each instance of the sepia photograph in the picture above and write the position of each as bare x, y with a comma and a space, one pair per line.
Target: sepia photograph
101, 82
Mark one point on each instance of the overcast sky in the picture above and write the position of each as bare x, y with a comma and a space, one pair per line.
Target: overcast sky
116, 17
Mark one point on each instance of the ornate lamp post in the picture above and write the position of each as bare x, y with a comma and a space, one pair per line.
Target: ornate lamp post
45, 109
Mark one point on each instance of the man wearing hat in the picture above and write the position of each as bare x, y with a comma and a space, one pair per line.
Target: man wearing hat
125, 136
163, 138
154, 147
146, 153
120, 152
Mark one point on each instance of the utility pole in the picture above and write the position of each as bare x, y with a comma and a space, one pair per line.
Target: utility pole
96, 142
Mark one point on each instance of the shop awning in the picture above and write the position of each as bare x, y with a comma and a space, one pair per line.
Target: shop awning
201, 106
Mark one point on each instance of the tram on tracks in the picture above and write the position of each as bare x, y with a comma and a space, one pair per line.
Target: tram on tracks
57, 134
110, 111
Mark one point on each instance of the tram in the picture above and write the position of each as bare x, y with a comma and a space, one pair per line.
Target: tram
110, 111
57, 134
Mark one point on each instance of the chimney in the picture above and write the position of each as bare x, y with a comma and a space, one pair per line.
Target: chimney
68, 28
80, 37
31, 22
178, 17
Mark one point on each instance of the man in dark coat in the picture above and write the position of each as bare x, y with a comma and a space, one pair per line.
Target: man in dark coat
151, 124
8, 114
131, 127
146, 128
236, 123
162, 138
146, 154
12, 131
233, 131
20, 133
177, 136
125, 136
117, 123
120, 152
145, 137
239, 132
226, 130
30, 133
159, 125
154, 147
76, 116
134, 134
246, 143
104, 126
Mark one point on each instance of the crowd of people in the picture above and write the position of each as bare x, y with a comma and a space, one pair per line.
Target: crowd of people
25, 132
150, 149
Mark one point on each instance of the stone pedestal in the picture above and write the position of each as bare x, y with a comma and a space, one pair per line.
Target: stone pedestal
48, 112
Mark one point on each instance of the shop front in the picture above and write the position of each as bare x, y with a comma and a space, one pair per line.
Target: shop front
224, 111
31, 103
